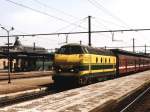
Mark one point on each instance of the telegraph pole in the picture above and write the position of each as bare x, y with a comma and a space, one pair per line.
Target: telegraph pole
105, 47
80, 42
9, 78
133, 45
34, 46
66, 39
145, 48
89, 32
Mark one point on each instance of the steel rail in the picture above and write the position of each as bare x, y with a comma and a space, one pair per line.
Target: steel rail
136, 99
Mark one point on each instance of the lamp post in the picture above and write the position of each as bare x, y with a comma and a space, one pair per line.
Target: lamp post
9, 79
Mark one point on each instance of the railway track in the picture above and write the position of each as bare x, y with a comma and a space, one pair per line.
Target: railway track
26, 96
4, 76
136, 102
144, 105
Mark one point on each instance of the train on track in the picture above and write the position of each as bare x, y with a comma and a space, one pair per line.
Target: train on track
79, 64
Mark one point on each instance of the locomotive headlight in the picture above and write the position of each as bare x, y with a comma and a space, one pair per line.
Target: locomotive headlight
59, 70
72, 70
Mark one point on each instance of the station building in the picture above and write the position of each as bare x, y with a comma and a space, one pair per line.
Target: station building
24, 58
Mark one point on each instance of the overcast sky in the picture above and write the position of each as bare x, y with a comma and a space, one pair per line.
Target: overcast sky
51, 16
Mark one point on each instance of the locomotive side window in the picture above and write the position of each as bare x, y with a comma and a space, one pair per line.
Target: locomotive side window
114, 60
105, 60
96, 59
109, 60
101, 60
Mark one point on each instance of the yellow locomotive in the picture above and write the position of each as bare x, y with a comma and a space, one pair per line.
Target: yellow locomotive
75, 63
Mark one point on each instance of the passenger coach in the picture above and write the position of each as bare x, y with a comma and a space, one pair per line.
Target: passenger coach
129, 62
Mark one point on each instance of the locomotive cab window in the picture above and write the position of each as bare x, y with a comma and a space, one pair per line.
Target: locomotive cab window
70, 50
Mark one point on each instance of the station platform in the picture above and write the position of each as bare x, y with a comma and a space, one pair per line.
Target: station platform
99, 97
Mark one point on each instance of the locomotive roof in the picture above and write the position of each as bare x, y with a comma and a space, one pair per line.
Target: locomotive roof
123, 52
93, 49
108, 51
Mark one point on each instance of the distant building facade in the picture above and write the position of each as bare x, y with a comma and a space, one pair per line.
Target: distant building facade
24, 58
3, 63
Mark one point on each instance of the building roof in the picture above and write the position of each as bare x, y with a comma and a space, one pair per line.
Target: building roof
18, 47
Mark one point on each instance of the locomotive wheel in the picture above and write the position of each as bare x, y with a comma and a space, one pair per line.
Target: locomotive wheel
89, 81
85, 80
82, 81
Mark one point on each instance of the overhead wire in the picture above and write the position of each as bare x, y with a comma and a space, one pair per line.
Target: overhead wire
107, 21
105, 27
70, 25
50, 7
80, 21
111, 33
41, 12
101, 23
60, 11
44, 13
101, 7
14, 28
83, 32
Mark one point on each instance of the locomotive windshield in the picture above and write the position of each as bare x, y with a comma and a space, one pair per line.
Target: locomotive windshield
70, 50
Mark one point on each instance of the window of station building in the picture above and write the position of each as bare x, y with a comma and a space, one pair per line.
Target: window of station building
4, 63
